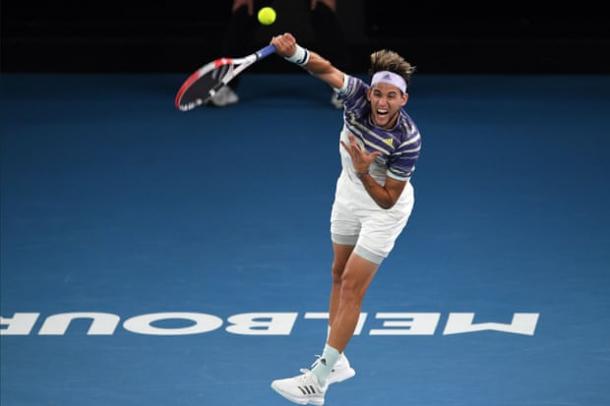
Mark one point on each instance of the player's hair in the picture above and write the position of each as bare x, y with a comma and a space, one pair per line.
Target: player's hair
391, 61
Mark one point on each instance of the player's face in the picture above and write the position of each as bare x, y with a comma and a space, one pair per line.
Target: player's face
386, 102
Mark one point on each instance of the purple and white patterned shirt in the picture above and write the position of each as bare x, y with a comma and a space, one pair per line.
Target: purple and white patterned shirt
399, 146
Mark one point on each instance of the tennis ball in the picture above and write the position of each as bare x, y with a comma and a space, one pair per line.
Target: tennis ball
266, 16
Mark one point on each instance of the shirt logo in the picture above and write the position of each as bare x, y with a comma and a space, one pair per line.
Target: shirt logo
389, 141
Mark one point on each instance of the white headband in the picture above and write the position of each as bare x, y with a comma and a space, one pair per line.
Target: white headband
391, 78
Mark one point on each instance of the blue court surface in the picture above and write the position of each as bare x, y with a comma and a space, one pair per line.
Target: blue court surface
193, 252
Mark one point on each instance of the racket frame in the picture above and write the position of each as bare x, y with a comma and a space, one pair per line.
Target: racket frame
235, 67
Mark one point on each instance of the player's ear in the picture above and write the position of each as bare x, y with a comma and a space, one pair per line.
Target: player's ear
405, 99
368, 94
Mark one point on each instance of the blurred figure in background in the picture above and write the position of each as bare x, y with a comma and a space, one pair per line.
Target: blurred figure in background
240, 35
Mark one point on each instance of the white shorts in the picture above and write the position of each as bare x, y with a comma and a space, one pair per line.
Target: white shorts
357, 220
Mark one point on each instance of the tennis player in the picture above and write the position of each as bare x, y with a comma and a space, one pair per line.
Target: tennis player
379, 145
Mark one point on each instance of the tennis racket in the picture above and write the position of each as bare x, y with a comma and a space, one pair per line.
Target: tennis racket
206, 81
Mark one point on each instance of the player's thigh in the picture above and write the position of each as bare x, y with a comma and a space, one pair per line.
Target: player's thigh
358, 275
341, 254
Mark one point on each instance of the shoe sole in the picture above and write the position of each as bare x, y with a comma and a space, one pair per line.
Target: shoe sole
349, 373
296, 400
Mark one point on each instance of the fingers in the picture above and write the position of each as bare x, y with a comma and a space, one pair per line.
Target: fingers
285, 44
354, 143
358, 151
285, 39
361, 159
351, 150
358, 147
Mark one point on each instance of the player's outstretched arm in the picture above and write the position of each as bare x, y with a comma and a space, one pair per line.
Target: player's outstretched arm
287, 47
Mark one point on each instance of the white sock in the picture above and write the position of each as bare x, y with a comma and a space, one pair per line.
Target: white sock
328, 338
325, 365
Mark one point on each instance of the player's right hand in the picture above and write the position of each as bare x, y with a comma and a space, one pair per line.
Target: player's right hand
285, 44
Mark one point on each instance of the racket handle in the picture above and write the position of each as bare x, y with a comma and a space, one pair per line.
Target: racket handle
265, 52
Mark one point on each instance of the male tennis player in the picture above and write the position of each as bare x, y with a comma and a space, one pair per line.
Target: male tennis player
374, 198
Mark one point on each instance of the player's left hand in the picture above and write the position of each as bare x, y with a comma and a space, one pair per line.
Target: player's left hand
361, 159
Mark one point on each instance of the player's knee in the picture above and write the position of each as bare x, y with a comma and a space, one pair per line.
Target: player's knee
337, 271
351, 289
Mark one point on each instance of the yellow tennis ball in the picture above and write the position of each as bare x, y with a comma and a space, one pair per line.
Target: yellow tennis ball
266, 16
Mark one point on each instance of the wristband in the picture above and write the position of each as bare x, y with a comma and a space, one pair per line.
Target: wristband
300, 56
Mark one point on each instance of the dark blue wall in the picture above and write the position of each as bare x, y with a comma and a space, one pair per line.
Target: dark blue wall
175, 36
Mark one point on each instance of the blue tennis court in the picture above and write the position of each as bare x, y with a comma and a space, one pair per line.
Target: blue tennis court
193, 251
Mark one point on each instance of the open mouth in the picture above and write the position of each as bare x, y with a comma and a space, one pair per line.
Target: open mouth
382, 112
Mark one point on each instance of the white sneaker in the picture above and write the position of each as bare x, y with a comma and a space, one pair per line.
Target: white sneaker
225, 96
342, 370
302, 389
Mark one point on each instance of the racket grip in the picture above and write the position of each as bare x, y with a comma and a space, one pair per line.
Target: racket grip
265, 52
